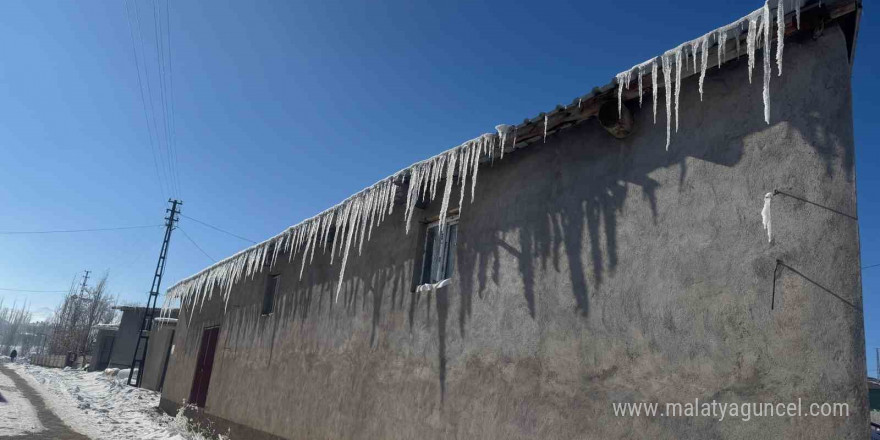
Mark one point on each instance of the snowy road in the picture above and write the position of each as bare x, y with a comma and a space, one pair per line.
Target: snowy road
24, 414
51, 403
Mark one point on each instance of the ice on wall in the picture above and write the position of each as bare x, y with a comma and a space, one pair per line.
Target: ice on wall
350, 223
757, 27
765, 216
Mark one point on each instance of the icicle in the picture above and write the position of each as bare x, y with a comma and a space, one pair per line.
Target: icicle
546, 117
623, 80
750, 44
704, 62
392, 193
797, 12
654, 87
767, 69
765, 216
411, 195
353, 221
780, 35
462, 175
677, 84
503, 131
436, 175
367, 203
475, 168
450, 174
640, 87
515, 128
667, 80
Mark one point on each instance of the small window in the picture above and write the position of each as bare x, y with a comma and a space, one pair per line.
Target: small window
439, 258
272, 284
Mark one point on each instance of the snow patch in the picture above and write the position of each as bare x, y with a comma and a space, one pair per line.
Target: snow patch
100, 407
765, 216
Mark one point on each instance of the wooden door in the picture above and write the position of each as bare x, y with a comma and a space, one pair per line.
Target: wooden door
204, 363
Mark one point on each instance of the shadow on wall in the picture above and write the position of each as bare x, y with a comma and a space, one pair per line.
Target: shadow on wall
556, 205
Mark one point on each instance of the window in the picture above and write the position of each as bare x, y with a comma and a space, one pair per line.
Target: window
272, 284
439, 257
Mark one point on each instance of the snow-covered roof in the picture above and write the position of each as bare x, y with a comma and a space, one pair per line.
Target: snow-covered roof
355, 217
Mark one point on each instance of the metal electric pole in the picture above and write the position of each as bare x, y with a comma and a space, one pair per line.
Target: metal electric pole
82, 288
137, 361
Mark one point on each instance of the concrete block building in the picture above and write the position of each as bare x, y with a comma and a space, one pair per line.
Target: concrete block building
589, 267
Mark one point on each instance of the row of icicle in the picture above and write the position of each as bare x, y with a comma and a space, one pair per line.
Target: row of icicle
758, 25
354, 219
351, 221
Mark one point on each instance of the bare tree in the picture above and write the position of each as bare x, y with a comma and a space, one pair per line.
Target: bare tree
12, 322
75, 317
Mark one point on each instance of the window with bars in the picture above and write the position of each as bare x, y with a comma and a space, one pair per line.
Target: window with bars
438, 260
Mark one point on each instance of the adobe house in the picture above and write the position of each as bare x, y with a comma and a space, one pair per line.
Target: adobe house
116, 343
102, 347
589, 266
158, 353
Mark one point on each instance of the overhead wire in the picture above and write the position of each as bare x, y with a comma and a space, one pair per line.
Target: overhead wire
218, 229
161, 66
196, 244
61, 231
166, 170
32, 291
137, 65
171, 95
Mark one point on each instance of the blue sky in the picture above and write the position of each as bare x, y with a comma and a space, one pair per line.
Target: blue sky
284, 108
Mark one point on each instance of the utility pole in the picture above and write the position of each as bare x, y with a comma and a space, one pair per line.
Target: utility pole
76, 300
878, 363
82, 288
137, 362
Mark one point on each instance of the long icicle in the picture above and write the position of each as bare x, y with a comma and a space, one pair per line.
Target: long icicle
667, 80
780, 35
767, 54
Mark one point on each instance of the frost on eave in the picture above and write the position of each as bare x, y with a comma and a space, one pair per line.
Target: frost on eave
352, 221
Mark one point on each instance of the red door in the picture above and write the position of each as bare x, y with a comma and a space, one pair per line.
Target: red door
205, 362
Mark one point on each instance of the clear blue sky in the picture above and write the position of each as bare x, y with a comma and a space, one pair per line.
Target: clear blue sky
285, 108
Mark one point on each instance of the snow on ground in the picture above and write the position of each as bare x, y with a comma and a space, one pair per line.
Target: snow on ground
102, 407
17, 415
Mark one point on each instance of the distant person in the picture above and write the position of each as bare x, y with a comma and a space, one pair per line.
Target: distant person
13, 354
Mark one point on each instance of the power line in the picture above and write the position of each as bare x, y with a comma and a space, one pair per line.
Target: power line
59, 231
32, 291
218, 229
868, 267
161, 64
137, 65
195, 244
